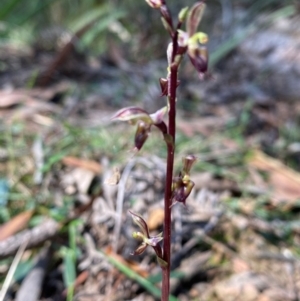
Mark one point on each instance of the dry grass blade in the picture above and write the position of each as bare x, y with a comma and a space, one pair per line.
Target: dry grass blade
82, 163
12, 270
38, 155
32, 237
285, 182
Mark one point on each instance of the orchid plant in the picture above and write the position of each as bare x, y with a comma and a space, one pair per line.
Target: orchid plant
177, 188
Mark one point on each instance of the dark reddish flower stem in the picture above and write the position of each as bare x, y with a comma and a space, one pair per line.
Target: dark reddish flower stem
172, 85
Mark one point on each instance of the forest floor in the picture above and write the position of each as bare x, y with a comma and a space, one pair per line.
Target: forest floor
64, 217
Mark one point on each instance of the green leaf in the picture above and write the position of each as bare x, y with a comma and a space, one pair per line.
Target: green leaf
23, 269
69, 274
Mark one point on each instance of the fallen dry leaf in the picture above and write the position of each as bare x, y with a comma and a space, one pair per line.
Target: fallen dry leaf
81, 179
11, 98
284, 182
83, 163
14, 97
16, 224
239, 265
204, 126
156, 218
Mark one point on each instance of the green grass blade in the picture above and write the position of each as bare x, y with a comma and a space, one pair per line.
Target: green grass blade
88, 17
6, 10
237, 39
100, 26
228, 46
69, 272
146, 284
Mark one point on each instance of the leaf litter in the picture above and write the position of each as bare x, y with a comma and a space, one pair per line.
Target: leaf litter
237, 239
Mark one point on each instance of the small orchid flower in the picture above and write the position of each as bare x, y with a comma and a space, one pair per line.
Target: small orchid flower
147, 240
194, 42
144, 121
182, 185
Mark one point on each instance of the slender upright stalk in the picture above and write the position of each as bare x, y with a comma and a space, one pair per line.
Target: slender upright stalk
177, 189
172, 85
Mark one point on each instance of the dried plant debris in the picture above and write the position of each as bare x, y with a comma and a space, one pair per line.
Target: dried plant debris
65, 189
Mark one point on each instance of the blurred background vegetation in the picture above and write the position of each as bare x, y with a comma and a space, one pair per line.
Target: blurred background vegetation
49, 23
120, 46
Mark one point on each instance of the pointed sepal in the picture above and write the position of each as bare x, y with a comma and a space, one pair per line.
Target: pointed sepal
187, 162
140, 249
194, 17
147, 240
132, 114
141, 223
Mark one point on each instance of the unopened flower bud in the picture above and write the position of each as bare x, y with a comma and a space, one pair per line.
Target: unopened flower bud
155, 3
167, 26
167, 20
183, 14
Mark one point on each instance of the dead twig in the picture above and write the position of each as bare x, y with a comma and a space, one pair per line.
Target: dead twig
33, 237
31, 287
